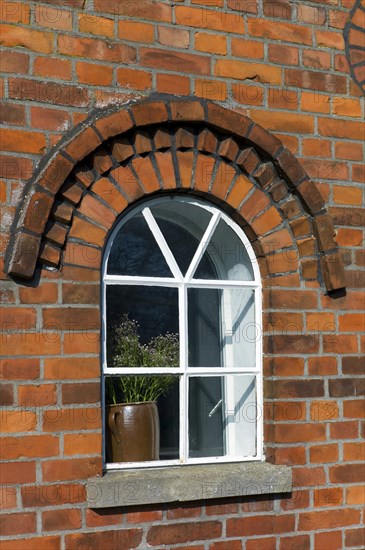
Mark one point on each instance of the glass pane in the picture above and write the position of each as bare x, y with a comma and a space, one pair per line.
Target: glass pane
142, 418
142, 326
135, 252
222, 330
228, 255
222, 416
183, 226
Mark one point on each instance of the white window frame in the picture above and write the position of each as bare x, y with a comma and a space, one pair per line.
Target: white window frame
182, 283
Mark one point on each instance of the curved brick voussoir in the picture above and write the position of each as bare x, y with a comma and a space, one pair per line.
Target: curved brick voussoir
161, 145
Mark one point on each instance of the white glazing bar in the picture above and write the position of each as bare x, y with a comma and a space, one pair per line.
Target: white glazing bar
129, 465
160, 239
220, 371
145, 281
192, 371
183, 325
202, 246
110, 371
162, 463
206, 283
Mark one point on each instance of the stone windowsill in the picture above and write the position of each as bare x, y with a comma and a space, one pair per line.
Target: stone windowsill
187, 483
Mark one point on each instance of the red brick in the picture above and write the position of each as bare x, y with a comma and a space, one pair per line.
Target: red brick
174, 37
52, 495
19, 369
145, 9
260, 525
18, 472
147, 516
30, 39
47, 92
77, 368
134, 31
183, 532
294, 433
91, 24
37, 395
292, 33
211, 89
354, 409
14, 62
324, 453
22, 141
208, 19
204, 43
71, 469
17, 524
313, 521
103, 517
126, 538
355, 495
241, 70
134, 79
332, 496
7, 497
355, 537
219, 509
37, 543
173, 84
13, 115
82, 444
330, 539
59, 520
49, 119
46, 16
228, 545
298, 542
91, 73
81, 393
52, 67
336, 128
169, 60
96, 49
29, 447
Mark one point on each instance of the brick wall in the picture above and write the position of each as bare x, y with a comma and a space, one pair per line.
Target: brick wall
284, 66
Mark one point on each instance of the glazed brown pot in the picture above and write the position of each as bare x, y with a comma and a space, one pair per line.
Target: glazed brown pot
133, 432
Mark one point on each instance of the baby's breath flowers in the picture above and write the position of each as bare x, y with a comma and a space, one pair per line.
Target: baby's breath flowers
128, 351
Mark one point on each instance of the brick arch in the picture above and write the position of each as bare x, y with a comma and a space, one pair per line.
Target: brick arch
166, 145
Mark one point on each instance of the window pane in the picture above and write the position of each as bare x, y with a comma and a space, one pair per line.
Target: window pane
135, 252
183, 226
222, 329
155, 312
228, 255
141, 432
222, 416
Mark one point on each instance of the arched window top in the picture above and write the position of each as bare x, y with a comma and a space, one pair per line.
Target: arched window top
182, 305
181, 238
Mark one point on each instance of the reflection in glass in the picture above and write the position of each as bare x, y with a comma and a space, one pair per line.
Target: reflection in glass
183, 226
135, 251
155, 309
222, 330
229, 256
167, 407
222, 416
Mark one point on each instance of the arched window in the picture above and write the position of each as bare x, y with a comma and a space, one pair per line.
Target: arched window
182, 317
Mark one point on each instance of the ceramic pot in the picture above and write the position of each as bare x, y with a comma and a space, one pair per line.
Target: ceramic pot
133, 432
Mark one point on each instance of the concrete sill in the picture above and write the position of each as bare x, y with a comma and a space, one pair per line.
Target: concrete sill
187, 483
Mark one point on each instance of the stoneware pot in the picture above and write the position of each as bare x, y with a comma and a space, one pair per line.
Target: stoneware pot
133, 432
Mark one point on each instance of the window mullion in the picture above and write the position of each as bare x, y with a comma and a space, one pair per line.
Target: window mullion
183, 324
